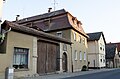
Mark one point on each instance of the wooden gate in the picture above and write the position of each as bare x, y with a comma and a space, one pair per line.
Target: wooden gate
47, 56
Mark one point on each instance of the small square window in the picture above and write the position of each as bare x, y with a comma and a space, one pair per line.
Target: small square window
59, 34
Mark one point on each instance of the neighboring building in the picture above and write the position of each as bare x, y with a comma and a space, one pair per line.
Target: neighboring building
118, 47
96, 50
62, 24
32, 52
112, 56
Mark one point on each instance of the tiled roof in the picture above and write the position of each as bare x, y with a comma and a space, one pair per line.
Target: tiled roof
42, 16
60, 23
110, 51
27, 30
95, 36
118, 46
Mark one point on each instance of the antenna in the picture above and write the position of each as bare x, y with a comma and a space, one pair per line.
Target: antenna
55, 4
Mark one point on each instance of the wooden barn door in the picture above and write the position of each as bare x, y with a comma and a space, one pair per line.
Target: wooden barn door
51, 50
47, 57
41, 60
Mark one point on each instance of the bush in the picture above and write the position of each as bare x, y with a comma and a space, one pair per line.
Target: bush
84, 68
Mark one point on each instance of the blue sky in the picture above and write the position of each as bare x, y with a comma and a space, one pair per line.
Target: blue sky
95, 15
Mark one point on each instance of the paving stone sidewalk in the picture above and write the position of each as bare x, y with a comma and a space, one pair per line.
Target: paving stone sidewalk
70, 74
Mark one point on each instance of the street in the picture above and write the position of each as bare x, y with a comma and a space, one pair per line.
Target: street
113, 74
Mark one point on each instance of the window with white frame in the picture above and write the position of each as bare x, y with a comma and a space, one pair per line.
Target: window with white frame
80, 55
75, 36
20, 58
84, 55
75, 55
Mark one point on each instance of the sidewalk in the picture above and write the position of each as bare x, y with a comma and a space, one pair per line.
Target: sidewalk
70, 74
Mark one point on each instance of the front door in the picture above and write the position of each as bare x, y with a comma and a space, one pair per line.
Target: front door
64, 62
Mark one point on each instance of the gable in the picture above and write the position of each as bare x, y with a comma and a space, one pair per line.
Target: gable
96, 36
101, 40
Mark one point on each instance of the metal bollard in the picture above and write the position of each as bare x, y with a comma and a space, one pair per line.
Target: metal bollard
9, 73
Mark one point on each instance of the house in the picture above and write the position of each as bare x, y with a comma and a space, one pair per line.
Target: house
62, 24
96, 50
118, 47
112, 56
32, 52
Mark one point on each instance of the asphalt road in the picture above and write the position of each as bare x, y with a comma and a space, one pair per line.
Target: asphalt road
113, 74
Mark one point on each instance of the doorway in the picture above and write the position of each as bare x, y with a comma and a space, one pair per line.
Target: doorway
64, 62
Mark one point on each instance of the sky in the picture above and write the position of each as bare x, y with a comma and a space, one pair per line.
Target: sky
95, 15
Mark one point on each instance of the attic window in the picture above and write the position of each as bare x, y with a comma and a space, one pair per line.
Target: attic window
73, 19
78, 24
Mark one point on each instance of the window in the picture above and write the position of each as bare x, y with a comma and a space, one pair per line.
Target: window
84, 41
80, 39
73, 19
59, 34
75, 36
20, 58
64, 47
75, 55
100, 48
101, 60
80, 55
84, 55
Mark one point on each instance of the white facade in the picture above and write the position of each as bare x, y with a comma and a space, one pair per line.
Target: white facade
96, 53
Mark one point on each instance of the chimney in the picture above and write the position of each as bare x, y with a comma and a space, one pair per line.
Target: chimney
49, 10
17, 17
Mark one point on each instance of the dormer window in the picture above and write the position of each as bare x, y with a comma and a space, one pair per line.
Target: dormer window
73, 19
78, 23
